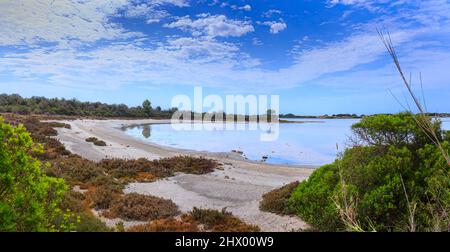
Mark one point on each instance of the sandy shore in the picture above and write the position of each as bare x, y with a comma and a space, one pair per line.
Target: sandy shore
238, 186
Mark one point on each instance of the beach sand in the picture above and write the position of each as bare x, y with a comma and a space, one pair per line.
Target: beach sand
237, 186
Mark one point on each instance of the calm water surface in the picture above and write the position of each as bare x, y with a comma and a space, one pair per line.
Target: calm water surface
312, 143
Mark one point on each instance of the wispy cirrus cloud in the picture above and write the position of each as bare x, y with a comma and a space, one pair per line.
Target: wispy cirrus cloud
27, 22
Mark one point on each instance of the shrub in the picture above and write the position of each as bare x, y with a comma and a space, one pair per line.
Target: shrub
91, 139
95, 141
143, 170
73, 201
102, 197
312, 199
396, 161
187, 164
135, 206
90, 223
167, 225
277, 201
79, 171
100, 143
132, 169
59, 125
29, 198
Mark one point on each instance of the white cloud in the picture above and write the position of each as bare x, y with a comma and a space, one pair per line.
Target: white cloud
151, 9
200, 60
212, 26
270, 13
189, 61
275, 26
256, 42
246, 7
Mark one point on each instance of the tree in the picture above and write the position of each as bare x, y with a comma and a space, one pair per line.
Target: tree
147, 106
28, 198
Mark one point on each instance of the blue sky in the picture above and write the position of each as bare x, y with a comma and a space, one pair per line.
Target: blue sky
321, 57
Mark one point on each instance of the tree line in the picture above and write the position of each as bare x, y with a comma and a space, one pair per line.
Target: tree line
72, 107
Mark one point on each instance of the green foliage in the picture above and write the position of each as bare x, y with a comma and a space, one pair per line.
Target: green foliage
54, 106
277, 201
398, 130
90, 223
312, 199
29, 199
396, 157
147, 107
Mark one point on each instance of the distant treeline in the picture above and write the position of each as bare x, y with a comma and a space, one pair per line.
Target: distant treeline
54, 106
337, 116
322, 116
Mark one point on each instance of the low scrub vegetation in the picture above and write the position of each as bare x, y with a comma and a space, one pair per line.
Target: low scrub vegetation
277, 201
394, 179
96, 141
209, 220
103, 197
143, 170
139, 207
184, 224
101, 182
220, 221
89, 223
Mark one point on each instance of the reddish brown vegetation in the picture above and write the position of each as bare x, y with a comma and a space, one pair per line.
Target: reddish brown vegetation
167, 225
221, 221
141, 169
135, 206
104, 182
198, 220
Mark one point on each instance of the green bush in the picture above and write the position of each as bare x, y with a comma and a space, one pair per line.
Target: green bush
312, 199
396, 157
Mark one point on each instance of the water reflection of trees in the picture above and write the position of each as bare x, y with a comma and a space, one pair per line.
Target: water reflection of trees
146, 131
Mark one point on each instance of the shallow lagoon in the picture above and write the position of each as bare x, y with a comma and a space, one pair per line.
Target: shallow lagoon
312, 143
